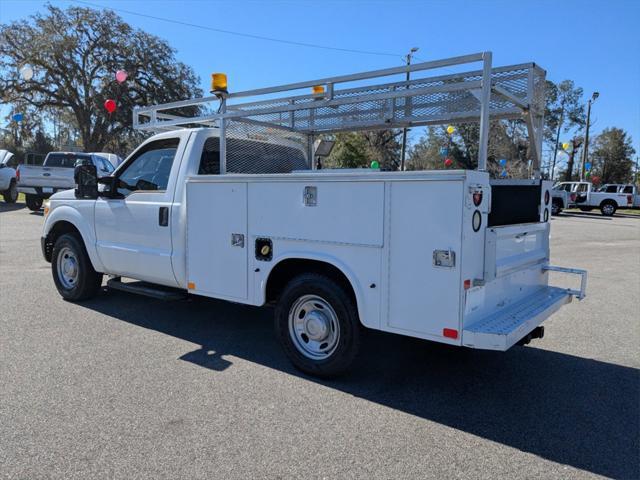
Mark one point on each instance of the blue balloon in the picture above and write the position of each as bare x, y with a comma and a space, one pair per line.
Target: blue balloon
503, 162
17, 117
587, 166
444, 151
503, 173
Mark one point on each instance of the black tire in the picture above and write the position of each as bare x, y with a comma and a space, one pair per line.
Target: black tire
348, 323
87, 282
608, 208
33, 203
556, 208
10, 195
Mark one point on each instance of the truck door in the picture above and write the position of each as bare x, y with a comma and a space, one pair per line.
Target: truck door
133, 231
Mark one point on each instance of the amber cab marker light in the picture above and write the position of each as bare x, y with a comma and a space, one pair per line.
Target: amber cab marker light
317, 89
191, 286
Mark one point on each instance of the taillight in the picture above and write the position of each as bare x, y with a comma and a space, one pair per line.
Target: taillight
629, 199
18, 174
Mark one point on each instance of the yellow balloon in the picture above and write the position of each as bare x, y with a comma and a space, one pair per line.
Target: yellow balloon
451, 129
565, 146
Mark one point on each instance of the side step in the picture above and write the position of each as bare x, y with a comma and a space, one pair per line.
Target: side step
147, 289
506, 327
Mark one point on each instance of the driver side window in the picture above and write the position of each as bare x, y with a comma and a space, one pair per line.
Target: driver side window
150, 168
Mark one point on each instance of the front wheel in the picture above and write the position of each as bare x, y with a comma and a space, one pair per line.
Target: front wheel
10, 195
317, 323
33, 203
72, 271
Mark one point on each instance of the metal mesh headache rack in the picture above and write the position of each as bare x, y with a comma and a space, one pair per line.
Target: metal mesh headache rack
283, 116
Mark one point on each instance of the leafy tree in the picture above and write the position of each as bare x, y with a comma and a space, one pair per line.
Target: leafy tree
359, 149
75, 54
612, 155
564, 111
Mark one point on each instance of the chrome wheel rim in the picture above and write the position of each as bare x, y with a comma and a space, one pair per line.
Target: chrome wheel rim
314, 327
608, 209
68, 268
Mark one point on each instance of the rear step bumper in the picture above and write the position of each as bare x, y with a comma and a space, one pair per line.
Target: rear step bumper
505, 328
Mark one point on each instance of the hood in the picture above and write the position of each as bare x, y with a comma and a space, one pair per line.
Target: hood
64, 195
5, 156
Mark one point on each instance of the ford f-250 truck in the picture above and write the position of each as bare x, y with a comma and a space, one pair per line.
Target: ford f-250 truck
236, 210
8, 187
55, 174
587, 198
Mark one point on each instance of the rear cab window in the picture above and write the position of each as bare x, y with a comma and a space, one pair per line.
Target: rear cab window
66, 160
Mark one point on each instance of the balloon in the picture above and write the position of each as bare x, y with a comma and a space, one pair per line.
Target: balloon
565, 146
451, 129
121, 76
587, 166
448, 162
503, 162
503, 173
17, 117
26, 73
444, 151
375, 164
110, 105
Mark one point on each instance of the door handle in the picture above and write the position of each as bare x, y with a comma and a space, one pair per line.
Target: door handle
163, 216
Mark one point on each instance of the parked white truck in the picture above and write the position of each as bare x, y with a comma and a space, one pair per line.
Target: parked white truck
8, 188
625, 188
56, 174
588, 198
236, 210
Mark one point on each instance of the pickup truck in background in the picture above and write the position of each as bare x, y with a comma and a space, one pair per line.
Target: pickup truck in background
587, 198
561, 199
626, 188
8, 187
55, 174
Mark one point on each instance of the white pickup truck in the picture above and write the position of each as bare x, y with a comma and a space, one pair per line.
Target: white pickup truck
587, 198
625, 188
55, 174
237, 211
8, 188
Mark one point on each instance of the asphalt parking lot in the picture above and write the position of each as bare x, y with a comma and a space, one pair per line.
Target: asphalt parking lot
128, 387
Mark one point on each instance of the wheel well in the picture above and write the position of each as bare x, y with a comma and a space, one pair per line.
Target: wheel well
558, 201
608, 201
286, 270
59, 228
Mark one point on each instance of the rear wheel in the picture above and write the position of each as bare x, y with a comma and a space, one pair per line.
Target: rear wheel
33, 203
608, 208
72, 271
556, 208
10, 195
317, 323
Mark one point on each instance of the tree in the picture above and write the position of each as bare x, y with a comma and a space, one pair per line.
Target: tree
611, 156
564, 111
75, 54
359, 149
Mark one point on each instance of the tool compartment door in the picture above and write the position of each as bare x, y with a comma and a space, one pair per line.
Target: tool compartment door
217, 240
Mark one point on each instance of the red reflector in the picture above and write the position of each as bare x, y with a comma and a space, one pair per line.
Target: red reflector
467, 284
477, 198
629, 199
450, 332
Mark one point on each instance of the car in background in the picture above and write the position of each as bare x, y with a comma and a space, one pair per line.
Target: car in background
587, 198
8, 183
114, 159
56, 173
626, 188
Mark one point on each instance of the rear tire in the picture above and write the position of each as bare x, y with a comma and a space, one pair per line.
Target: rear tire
317, 324
10, 195
72, 271
608, 209
556, 208
33, 203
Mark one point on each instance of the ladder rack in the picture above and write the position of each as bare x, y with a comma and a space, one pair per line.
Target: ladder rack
359, 102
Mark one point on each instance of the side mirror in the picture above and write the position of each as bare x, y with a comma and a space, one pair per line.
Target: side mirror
86, 180
108, 187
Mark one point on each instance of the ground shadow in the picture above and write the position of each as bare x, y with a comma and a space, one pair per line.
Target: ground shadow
571, 410
11, 207
584, 215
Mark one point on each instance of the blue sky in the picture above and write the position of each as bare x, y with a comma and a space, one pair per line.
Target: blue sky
594, 43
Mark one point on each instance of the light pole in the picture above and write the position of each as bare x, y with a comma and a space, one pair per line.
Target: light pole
585, 150
404, 129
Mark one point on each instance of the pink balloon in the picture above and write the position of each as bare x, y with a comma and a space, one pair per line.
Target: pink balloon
121, 76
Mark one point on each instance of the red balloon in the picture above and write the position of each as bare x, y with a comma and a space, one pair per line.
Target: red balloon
448, 162
110, 105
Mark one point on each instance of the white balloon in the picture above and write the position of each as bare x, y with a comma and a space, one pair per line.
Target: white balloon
26, 73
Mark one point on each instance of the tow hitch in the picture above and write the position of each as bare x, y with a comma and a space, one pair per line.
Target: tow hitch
537, 332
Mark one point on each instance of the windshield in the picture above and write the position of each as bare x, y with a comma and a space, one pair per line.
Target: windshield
65, 160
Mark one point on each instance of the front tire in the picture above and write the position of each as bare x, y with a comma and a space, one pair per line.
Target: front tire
72, 271
608, 209
317, 324
33, 203
10, 195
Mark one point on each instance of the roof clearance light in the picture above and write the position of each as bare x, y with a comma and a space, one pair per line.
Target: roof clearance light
219, 83
317, 89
